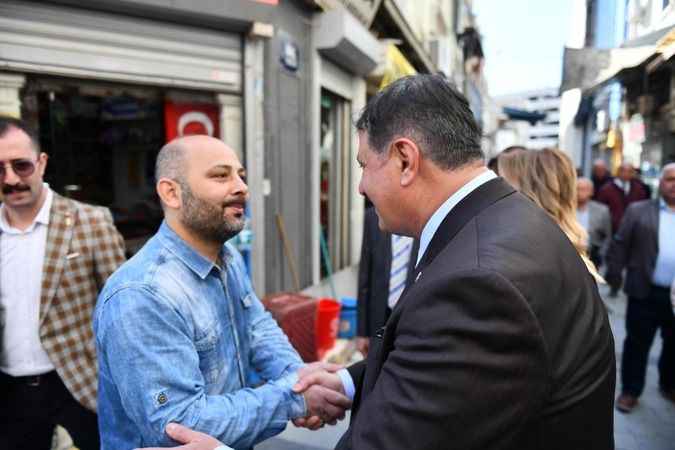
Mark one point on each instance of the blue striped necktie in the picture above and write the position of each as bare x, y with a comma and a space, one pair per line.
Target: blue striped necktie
400, 257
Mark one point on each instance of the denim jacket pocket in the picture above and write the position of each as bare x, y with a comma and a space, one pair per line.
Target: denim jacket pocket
209, 351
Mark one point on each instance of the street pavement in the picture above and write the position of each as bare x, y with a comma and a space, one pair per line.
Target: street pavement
651, 426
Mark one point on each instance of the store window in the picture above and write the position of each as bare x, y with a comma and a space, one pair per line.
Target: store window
102, 140
334, 182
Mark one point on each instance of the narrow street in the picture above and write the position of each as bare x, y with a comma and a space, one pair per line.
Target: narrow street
651, 426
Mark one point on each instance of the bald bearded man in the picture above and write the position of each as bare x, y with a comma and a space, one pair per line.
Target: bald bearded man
179, 330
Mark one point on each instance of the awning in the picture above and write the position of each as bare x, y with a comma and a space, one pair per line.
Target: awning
590, 68
395, 66
524, 115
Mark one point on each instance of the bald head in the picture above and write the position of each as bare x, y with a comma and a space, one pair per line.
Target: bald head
667, 184
584, 191
174, 158
626, 171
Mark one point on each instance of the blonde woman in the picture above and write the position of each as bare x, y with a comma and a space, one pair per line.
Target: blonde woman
549, 179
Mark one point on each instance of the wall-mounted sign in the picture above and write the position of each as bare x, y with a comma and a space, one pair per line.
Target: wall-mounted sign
290, 55
183, 119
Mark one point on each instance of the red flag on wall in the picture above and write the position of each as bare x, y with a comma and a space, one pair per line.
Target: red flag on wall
183, 119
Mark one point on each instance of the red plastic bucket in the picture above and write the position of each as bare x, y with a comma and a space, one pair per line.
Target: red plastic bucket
327, 324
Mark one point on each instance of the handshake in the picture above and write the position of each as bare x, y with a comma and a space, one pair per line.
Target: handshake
324, 395
325, 400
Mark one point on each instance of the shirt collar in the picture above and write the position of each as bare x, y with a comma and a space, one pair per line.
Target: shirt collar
42, 216
663, 206
188, 255
437, 218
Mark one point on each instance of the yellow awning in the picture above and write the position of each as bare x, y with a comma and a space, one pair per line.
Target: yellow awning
396, 66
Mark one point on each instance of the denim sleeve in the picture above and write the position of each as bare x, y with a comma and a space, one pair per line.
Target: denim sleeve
271, 355
147, 347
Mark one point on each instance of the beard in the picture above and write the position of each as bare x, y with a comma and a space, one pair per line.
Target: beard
207, 220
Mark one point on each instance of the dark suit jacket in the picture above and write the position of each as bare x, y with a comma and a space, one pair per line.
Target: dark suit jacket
635, 246
502, 342
374, 268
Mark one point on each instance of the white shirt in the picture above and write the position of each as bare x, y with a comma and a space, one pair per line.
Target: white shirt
427, 235
437, 218
22, 254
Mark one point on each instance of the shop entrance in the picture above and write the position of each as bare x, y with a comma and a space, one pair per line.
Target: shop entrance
102, 140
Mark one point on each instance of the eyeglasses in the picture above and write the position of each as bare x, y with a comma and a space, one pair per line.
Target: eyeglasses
22, 168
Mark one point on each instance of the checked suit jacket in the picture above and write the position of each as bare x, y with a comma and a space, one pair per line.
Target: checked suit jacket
501, 343
83, 248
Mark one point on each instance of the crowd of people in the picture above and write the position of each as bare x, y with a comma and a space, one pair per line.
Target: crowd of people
479, 308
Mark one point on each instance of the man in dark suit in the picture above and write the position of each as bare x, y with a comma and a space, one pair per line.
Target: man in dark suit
645, 246
379, 288
502, 341
621, 192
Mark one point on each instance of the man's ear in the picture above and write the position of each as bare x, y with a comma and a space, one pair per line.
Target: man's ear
408, 156
169, 193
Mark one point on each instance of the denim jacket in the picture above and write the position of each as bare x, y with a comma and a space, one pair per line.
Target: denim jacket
180, 340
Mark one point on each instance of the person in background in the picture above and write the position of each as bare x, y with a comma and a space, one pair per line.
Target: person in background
493, 164
645, 247
179, 327
55, 255
595, 219
386, 267
599, 175
547, 177
621, 192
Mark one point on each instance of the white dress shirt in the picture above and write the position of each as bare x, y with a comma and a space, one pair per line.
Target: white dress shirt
22, 254
427, 235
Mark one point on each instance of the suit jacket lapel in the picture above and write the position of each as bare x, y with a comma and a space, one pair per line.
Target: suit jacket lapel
59, 235
482, 197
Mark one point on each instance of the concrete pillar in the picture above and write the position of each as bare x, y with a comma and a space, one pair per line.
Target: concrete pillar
10, 102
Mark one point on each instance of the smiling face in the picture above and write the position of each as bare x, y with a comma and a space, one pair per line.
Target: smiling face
214, 192
21, 192
379, 181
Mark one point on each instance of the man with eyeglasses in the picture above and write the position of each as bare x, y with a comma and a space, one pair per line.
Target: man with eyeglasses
55, 255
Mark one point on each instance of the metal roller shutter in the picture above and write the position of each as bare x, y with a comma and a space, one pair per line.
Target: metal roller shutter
71, 42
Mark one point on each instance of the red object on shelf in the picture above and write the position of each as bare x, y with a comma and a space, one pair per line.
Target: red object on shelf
296, 315
327, 324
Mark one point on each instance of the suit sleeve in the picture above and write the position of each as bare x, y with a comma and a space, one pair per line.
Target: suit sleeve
617, 253
365, 270
109, 252
466, 369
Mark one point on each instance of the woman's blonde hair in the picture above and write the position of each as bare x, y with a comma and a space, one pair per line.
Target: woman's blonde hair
548, 178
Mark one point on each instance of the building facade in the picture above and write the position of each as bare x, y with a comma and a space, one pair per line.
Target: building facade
107, 83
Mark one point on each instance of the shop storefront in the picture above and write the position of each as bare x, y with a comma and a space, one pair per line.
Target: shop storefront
106, 91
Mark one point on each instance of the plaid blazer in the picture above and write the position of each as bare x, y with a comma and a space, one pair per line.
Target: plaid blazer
83, 249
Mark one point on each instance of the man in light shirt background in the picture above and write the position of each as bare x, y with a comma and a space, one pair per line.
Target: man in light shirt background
595, 219
55, 255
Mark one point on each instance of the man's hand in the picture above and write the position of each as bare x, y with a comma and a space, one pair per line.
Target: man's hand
193, 440
325, 399
362, 345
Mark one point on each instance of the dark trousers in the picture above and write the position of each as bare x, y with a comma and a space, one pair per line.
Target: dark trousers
30, 408
643, 318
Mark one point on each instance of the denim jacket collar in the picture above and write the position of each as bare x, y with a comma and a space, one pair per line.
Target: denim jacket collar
188, 255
